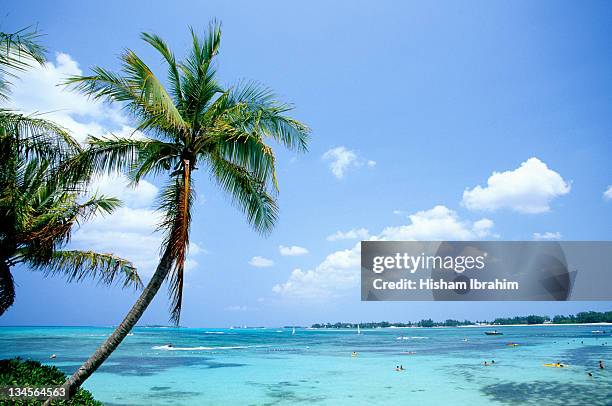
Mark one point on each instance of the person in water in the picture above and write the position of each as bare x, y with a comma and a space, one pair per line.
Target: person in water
401, 368
601, 364
493, 361
486, 364
397, 368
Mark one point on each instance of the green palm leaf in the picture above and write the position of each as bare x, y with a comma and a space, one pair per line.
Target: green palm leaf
18, 50
79, 265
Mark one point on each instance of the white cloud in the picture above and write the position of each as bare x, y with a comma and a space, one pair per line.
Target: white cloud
128, 233
607, 195
39, 90
196, 249
339, 272
547, 236
131, 234
482, 228
342, 159
438, 223
119, 186
356, 233
527, 189
260, 262
292, 251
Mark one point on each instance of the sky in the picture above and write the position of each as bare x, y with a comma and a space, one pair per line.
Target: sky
430, 121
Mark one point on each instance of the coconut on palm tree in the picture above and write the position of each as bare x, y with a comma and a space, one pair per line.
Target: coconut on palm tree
192, 123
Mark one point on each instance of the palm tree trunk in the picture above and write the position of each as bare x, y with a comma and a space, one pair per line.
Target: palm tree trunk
130, 320
147, 295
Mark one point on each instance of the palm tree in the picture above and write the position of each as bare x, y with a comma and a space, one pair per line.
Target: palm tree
38, 206
194, 123
36, 219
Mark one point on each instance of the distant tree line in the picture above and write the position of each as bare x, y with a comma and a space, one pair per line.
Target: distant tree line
383, 324
582, 317
532, 319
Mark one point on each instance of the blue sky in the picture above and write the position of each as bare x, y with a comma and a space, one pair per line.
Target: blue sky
413, 105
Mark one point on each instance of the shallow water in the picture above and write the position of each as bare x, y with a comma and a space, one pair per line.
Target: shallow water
273, 367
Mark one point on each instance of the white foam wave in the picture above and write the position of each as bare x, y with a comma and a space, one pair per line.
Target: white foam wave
171, 348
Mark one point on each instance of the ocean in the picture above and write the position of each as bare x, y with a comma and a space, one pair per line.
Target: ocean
272, 366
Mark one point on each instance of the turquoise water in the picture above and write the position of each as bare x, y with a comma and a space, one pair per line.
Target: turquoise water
273, 367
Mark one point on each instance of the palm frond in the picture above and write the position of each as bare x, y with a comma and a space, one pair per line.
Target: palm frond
152, 92
173, 72
36, 137
18, 50
79, 265
96, 205
110, 154
248, 192
139, 91
154, 158
199, 86
261, 112
247, 150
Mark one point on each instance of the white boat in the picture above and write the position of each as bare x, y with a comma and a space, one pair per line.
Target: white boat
358, 329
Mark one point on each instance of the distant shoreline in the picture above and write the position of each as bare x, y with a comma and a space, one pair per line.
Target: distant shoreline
541, 325
468, 326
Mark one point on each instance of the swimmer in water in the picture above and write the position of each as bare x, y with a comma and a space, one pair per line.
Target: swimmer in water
601, 365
